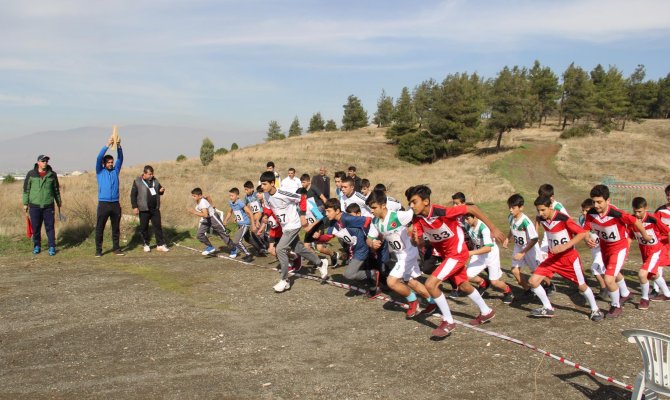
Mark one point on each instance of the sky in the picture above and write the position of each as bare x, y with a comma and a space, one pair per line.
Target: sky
233, 66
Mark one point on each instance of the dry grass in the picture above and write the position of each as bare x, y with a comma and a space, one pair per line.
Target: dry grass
640, 153
367, 149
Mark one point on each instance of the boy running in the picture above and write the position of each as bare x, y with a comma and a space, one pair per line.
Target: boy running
392, 227
526, 250
442, 228
245, 223
485, 255
562, 234
209, 219
597, 265
289, 209
611, 225
654, 253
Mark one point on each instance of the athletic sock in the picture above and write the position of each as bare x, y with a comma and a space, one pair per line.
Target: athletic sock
507, 289
542, 295
430, 300
644, 288
482, 284
479, 301
588, 293
663, 286
444, 308
614, 297
411, 297
623, 289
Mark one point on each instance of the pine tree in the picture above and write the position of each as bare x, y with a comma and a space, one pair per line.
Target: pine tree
384, 115
234, 147
422, 99
206, 151
610, 100
641, 96
221, 151
455, 117
577, 96
545, 90
355, 115
316, 123
509, 101
404, 117
663, 98
330, 126
274, 132
295, 129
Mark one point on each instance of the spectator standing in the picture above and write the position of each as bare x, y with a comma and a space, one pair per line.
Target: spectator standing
107, 174
322, 182
40, 191
291, 183
145, 198
356, 178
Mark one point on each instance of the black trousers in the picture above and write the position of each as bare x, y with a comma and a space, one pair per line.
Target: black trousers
154, 216
108, 210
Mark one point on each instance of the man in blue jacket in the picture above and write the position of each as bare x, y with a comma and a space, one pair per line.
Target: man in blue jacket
108, 197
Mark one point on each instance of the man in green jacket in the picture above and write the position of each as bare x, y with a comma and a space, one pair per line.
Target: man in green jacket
40, 190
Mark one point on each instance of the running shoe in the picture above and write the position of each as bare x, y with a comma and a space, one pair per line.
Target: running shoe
542, 313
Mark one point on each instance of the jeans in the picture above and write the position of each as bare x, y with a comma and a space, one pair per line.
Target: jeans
39, 215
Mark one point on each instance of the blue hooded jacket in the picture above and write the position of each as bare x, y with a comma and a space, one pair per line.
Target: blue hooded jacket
108, 181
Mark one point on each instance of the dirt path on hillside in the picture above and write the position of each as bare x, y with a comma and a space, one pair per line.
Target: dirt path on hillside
532, 165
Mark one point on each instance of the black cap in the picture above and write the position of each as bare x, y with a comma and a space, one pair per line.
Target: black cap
42, 157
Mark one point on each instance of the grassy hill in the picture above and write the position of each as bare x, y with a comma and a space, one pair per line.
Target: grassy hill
531, 157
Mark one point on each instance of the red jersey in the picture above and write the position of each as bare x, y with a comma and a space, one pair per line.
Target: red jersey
663, 213
275, 227
612, 228
443, 230
560, 229
658, 232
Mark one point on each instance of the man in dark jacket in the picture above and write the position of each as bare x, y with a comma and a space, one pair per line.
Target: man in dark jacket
145, 198
108, 197
322, 182
40, 190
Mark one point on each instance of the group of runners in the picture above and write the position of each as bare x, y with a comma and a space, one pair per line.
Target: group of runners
385, 244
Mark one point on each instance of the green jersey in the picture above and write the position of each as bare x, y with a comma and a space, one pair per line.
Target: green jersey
393, 229
522, 229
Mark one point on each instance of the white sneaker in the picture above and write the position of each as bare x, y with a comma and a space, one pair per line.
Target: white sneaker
162, 248
281, 286
147, 248
324, 268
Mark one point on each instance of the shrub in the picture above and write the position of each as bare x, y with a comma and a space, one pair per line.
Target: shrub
9, 179
181, 157
578, 131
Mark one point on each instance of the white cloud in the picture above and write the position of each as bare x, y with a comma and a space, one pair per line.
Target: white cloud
21, 101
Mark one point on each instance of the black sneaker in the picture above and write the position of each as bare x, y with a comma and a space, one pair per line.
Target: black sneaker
508, 298
455, 294
482, 290
550, 289
248, 258
118, 252
98, 253
529, 294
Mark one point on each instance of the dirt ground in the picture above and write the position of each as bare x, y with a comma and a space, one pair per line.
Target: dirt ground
179, 325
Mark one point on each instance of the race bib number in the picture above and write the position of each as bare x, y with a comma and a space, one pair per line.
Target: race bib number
395, 242
556, 238
152, 191
520, 240
272, 222
346, 237
594, 236
238, 215
643, 242
607, 233
439, 235
255, 207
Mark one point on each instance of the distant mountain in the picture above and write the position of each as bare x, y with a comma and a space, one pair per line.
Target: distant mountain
76, 149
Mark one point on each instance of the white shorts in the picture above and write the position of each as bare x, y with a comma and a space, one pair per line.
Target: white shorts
480, 262
530, 259
597, 265
406, 269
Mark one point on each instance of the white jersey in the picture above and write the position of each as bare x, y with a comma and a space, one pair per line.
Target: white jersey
202, 205
393, 204
285, 207
356, 198
393, 229
523, 231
